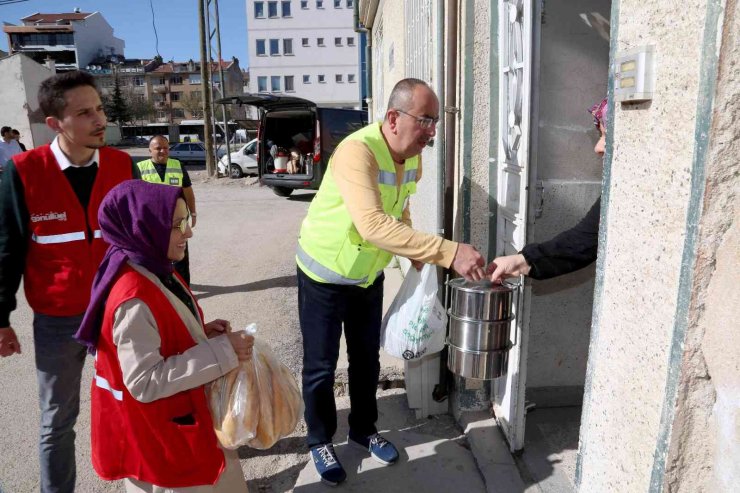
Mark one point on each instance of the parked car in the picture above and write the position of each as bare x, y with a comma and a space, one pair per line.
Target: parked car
296, 138
191, 152
243, 161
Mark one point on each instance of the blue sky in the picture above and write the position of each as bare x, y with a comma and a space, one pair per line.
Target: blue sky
176, 21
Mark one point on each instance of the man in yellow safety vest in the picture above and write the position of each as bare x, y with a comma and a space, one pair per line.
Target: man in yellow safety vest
161, 169
356, 222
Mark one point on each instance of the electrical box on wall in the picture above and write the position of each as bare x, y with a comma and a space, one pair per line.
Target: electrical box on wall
634, 75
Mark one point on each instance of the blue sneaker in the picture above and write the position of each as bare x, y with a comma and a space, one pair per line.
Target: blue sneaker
380, 449
327, 465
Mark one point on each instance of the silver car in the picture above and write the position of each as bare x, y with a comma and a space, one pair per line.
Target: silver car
191, 152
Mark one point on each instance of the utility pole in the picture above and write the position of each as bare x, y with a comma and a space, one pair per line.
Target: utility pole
219, 90
205, 84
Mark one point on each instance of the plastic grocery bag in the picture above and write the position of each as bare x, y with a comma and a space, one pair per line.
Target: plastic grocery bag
257, 403
415, 323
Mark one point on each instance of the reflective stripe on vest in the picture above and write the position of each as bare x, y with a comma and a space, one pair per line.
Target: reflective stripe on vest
63, 238
104, 384
389, 178
327, 274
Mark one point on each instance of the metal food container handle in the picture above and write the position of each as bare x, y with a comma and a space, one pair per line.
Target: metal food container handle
519, 288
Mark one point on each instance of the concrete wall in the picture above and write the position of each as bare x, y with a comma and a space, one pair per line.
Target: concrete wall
704, 454
474, 136
647, 251
313, 60
574, 60
20, 78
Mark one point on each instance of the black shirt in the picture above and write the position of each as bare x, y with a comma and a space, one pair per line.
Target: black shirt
569, 251
186, 183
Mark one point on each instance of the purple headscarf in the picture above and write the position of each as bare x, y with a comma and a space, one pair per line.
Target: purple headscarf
598, 111
136, 221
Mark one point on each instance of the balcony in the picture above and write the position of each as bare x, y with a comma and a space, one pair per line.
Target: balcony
160, 105
160, 89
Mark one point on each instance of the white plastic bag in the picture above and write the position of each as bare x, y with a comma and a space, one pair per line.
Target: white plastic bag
415, 323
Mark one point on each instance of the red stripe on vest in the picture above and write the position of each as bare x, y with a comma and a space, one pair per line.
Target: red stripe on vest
60, 269
131, 439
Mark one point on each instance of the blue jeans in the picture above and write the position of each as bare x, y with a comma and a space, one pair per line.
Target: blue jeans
323, 309
59, 362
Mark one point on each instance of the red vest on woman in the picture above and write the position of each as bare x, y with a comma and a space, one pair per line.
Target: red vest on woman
144, 441
65, 246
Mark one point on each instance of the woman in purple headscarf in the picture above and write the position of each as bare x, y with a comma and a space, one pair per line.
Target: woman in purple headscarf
570, 250
151, 424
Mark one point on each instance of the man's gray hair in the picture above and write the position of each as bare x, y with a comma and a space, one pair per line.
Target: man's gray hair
402, 93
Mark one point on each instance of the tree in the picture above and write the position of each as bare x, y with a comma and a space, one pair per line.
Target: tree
193, 105
117, 108
139, 108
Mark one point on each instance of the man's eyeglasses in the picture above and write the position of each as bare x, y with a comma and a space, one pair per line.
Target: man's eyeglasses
183, 224
423, 121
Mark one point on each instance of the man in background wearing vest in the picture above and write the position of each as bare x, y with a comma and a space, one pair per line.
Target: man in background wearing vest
49, 235
358, 220
161, 169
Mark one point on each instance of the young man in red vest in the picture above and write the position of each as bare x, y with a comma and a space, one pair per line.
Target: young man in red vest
49, 235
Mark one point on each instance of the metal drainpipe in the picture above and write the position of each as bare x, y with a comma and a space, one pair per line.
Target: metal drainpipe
359, 28
449, 103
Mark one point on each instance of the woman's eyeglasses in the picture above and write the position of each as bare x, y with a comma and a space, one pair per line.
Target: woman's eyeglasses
423, 121
183, 224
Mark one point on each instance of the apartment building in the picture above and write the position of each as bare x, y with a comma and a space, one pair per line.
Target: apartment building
170, 91
304, 48
71, 39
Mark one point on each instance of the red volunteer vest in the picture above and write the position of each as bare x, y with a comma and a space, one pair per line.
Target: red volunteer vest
61, 261
138, 440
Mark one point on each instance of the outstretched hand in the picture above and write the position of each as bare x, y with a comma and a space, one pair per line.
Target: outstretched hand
217, 327
508, 266
469, 263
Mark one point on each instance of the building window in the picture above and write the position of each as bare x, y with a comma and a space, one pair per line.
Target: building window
161, 81
286, 9
289, 83
337, 41
337, 4
138, 81
275, 83
198, 95
351, 78
338, 78
304, 42
176, 80
178, 113
321, 79
287, 47
259, 10
320, 41
261, 47
161, 115
274, 47
319, 4
175, 96
272, 9
306, 79
350, 41
262, 83
194, 79
350, 4
304, 4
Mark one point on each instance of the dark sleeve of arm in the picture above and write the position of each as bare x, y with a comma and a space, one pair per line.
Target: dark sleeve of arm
186, 183
13, 239
569, 251
135, 172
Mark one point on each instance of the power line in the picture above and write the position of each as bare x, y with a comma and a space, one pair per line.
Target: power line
8, 2
156, 37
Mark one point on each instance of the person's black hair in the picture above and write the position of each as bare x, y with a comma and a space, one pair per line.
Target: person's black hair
52, 90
